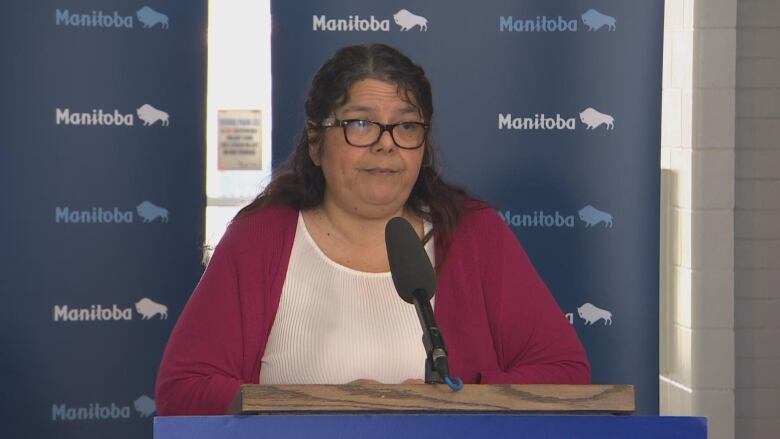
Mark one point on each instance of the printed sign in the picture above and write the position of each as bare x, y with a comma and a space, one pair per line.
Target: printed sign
240, 140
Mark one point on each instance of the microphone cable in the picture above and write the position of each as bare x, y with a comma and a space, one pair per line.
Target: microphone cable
456, 385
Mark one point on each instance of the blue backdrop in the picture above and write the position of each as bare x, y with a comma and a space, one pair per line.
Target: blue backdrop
102, 152
548, 110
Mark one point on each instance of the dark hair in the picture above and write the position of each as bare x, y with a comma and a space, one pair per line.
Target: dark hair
300, 184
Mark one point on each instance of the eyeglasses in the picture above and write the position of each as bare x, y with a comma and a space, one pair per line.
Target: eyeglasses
363, 133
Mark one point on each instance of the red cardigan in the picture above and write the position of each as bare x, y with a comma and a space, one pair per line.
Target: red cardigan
500, 322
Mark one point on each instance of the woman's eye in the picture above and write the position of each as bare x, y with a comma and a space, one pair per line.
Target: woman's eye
360, 123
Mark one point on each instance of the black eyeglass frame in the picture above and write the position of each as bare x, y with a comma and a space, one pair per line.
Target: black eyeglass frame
333, 123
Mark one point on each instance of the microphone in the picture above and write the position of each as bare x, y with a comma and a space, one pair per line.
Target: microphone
409, 263
415, 281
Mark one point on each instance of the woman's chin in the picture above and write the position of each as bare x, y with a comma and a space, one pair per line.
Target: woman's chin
384, 204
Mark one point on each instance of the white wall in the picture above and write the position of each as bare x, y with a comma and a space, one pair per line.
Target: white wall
697, 161
757, 220
720, 293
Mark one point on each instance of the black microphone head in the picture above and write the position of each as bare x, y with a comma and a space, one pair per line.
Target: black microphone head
409, 263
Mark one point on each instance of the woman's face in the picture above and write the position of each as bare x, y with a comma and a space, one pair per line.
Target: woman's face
373, 181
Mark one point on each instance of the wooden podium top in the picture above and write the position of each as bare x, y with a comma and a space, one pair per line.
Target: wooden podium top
475, 398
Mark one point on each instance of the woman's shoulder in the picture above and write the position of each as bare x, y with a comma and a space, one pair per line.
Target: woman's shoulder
480, 216
261, 226
268, 216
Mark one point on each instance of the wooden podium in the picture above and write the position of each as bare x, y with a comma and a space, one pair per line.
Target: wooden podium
433, 398
422, 411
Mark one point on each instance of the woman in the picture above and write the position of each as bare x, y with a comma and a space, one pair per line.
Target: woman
299, 290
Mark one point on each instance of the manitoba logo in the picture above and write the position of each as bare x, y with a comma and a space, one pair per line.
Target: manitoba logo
146, 210
64, 313
595, 20
538, 121
151, 212
115, 117
146, 308
148, 17
594, 119
589, 215
590, 314
151, 18
593, 217
405, 20
89, 412
150, 115
144, 406
538, 218
98, 116
590, 118
592, 19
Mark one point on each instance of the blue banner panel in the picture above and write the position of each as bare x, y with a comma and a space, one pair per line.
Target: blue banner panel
550, 111
428, 426
102, 159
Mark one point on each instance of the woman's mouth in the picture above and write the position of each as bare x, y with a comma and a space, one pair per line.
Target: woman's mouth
381, 171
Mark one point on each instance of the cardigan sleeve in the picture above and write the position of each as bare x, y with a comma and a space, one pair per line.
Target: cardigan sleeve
533, 340
200, 371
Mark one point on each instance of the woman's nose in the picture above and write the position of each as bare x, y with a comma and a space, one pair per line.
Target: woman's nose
385, 141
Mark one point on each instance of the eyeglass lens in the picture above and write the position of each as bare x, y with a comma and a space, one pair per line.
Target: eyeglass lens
365, 133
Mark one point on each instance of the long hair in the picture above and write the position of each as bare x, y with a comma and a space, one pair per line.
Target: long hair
300, 184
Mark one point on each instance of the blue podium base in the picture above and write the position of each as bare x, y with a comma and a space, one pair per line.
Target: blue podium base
427, 426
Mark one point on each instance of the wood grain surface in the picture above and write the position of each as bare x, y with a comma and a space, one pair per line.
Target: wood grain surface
258, 398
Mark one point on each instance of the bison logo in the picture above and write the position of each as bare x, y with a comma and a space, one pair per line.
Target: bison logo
151, 18
150, 212
148, 308
592, 216
406, 20
150, 115
595, 20
594, 119
592, 314
145, 406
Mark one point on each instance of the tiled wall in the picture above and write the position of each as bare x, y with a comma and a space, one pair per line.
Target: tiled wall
697, 161
757, 220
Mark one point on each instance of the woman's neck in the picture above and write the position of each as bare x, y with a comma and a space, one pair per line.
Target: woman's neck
360, 228
354, 240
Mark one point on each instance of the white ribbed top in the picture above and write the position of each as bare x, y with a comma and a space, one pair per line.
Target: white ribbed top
335, 324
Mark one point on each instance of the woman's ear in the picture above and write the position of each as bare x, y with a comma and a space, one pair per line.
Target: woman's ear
314, 140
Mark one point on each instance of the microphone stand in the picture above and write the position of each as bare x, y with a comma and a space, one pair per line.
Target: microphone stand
436, 364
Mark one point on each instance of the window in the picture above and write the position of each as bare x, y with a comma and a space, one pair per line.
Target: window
239, 81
